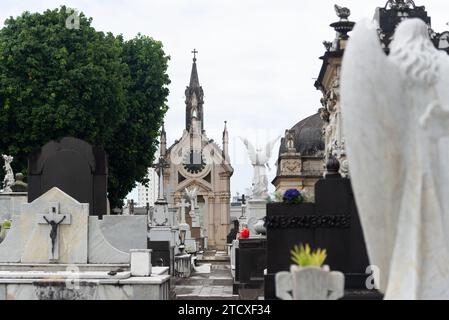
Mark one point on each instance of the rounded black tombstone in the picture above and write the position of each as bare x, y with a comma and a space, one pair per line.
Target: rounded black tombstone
74, 166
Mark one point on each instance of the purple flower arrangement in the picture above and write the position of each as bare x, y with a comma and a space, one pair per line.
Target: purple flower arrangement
293, 196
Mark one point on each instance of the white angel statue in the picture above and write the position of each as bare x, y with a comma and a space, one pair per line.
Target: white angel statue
8, 181
191, 196
396, 122
259, 160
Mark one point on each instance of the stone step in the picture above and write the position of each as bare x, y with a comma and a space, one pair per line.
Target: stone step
214, 259
223, 266
51, 267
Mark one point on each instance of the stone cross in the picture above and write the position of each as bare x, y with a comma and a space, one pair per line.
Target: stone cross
53, 219
160, 171
243, 201
194, 54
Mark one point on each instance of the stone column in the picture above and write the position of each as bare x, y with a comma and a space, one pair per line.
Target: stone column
210, 223
225, 217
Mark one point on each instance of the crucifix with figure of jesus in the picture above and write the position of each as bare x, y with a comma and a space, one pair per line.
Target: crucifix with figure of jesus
53, 219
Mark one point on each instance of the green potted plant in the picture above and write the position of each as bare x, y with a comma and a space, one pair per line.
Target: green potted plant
309, 278
5, 226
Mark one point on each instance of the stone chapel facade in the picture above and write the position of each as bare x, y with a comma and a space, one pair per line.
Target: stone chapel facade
195, 161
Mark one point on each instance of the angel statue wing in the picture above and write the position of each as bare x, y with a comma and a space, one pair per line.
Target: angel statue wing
269, 150
251, 150
187, 193
191, 194
385, 108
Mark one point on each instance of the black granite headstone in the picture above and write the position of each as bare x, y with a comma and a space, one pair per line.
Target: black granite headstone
163, 255
250, 263
74, 166
331, 223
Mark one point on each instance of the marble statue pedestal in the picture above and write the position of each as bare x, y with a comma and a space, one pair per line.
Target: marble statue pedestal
256, 210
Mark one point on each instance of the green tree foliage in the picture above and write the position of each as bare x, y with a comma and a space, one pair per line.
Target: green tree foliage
57, 81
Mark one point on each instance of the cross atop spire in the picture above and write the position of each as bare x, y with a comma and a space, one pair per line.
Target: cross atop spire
194, 54
194, 82
194, 97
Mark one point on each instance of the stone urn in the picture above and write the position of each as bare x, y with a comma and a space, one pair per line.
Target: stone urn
309, 283
259, 227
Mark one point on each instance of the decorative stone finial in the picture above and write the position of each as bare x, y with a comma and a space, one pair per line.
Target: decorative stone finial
342, 12
332, 167
327, 45
400, 4
290, 141
343, 26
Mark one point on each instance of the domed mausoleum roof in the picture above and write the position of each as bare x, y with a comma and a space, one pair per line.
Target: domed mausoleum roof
309, 140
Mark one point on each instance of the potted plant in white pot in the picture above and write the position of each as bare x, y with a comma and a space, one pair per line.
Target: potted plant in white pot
308, 278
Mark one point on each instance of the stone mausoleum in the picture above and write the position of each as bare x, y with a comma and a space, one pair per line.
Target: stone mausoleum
300, 159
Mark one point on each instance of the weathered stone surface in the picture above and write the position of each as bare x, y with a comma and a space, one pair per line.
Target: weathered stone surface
87, 286
11, 204
235, 245
191, 245
30, 240
183, 265
2, 291
100, 250
11, 246
164, 234
141, 262
125, 232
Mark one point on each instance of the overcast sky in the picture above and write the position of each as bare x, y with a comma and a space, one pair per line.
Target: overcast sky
257, 60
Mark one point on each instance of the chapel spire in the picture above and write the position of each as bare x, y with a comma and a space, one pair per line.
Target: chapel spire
194, 81
194, 97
